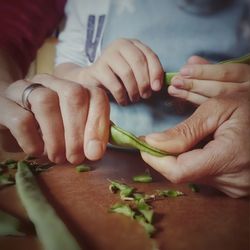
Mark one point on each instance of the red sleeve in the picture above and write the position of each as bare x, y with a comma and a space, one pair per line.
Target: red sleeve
24, 25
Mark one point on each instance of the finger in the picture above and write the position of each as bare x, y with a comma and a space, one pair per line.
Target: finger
155, 68
138, 62
203, 122
74, 101
23, 127
45, 107
186, 95
97, 126
106, 76
197, 60
205, 88
220, 72
122, 69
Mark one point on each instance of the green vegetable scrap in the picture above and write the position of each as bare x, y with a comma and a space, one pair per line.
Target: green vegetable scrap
245, 59
145, 210
9, 225
122, 209
170, 193
125, 190
82, 168
50, 229
122, 138
6, 179
143, 178
149, 228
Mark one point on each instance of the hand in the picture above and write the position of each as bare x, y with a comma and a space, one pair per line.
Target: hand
127, 68
199, 80
223, 162
67, 120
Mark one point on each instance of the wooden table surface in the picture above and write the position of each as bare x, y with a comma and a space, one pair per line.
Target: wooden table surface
197, 221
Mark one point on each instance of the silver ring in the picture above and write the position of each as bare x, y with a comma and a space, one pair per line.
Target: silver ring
26, 93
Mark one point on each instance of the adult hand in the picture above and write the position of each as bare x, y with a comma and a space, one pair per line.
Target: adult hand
224, 161
66, 120
199, 80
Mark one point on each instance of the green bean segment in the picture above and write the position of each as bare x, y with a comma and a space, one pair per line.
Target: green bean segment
243, 59
51, 230
122, 138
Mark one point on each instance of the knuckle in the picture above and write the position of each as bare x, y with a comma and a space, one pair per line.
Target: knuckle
140, 59
118, 91
199, 71
22, 122
42, 77
127, 73
75, 95
46, 97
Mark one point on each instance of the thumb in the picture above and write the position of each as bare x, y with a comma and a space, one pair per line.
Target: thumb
204, 121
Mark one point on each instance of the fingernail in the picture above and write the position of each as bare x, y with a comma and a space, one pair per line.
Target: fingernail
156, 85
186, 71
94, 149
146, 95
177, 82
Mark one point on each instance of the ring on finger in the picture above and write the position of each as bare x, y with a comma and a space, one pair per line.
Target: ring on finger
25, 95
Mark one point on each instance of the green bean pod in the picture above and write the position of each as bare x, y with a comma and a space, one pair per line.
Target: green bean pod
125, 139
51, 230
243, 59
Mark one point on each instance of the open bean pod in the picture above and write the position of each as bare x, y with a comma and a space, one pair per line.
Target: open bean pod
125, 139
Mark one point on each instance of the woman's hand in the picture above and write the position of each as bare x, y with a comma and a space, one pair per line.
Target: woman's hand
224, 161
66, 120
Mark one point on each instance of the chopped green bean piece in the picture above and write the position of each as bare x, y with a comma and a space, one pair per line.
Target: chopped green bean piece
6, 179
122, 209
149, 228
9, 225
12, 165
170, 193
143, 178
125, 190
82, 168
145, 210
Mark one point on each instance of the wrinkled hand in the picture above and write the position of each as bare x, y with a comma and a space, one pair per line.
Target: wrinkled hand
224, 161
67, 120
200, 80
127, 68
